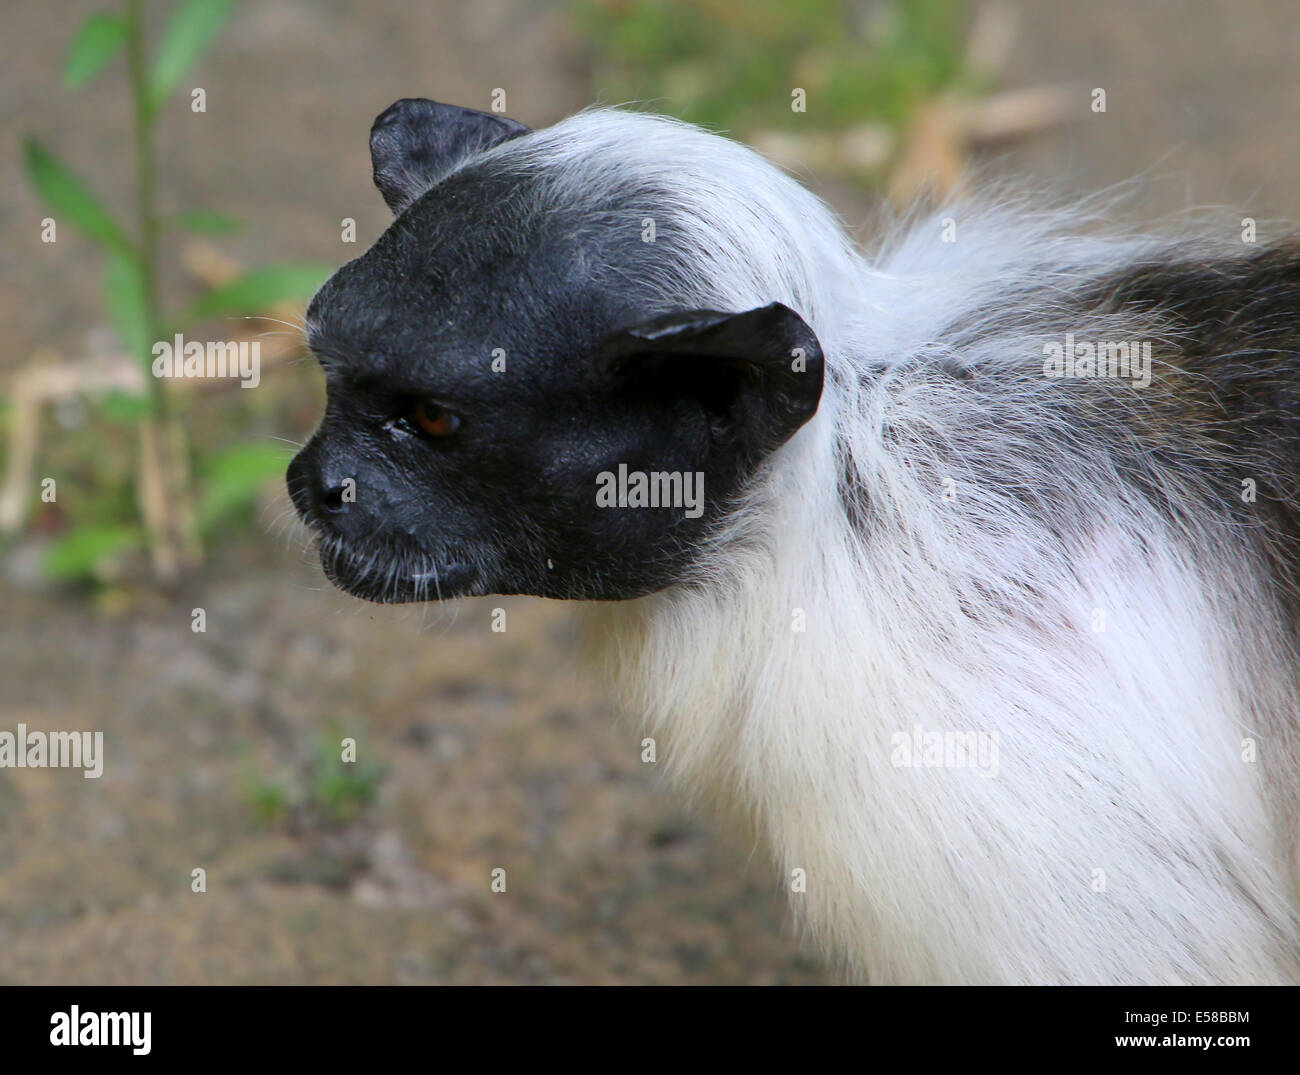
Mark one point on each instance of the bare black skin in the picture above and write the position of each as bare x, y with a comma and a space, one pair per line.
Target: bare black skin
477, 266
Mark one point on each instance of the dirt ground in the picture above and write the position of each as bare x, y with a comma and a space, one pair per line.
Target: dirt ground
491, 751
495, 754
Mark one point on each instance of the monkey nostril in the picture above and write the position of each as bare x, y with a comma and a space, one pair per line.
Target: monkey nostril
332, 501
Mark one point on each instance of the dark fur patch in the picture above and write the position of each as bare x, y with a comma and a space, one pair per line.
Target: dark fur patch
1228, 399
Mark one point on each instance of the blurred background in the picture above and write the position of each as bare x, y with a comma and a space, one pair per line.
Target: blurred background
476, 750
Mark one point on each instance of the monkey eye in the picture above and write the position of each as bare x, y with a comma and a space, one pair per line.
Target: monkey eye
433, 420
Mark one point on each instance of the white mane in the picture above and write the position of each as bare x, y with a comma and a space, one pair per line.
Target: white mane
1002, 581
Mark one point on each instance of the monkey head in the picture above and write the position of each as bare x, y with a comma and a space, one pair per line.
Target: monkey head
520, 398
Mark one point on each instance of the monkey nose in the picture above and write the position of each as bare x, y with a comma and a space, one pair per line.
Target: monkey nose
335, 487
332, 499
320, 484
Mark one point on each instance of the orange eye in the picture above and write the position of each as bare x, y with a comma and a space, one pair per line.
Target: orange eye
433, 420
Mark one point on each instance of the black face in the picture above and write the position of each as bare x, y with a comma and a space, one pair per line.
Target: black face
503, 411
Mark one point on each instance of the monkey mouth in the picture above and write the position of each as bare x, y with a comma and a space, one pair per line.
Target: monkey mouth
394, 577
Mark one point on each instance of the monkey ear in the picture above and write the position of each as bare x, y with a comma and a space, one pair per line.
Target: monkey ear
415, 143
760, 372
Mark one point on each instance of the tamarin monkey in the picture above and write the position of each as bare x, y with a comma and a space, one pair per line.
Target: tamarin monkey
963, 573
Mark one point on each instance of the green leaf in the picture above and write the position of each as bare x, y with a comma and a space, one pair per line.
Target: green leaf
258, 290
124, 408
205, 222
234, 477
125, 299
193, 27
78, 555
64, 193
97, 41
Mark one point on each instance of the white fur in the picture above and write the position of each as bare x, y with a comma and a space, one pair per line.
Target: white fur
1120, 749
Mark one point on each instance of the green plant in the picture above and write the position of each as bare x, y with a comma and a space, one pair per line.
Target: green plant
340, 791
269, 800
324, 792
172, 526
731, 65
